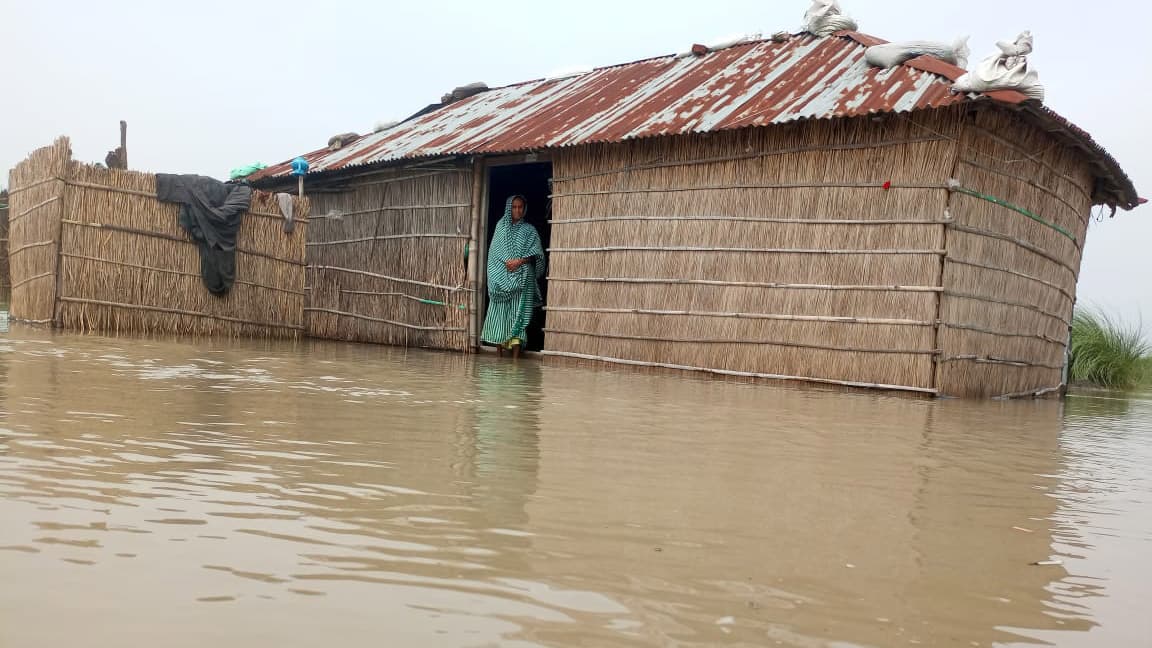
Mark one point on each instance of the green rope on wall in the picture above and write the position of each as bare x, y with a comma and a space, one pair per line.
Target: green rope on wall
1015, 208
439, 303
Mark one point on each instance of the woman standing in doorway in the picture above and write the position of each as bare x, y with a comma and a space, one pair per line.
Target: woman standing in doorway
515, 267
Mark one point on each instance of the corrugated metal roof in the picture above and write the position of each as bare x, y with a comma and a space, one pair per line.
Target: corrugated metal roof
752, 84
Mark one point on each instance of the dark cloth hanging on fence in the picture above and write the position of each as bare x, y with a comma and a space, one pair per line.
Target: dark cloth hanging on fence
210, 211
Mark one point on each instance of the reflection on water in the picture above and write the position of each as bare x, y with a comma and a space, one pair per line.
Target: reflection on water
295, 494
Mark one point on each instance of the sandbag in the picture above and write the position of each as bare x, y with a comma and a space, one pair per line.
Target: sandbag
890, 55
1006, 70
825, 18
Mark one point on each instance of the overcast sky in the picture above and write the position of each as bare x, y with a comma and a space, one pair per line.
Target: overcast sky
210, 85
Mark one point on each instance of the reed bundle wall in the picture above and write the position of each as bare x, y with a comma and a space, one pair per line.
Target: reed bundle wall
766, 252
36, 189
1010, 280
5, 274
386, 259
116, 259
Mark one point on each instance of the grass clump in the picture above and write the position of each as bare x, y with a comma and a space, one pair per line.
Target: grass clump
1106, 352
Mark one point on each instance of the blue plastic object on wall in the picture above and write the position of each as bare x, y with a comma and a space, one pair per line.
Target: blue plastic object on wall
299, 166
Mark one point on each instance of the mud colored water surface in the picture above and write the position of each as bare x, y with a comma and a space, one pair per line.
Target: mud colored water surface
240, 494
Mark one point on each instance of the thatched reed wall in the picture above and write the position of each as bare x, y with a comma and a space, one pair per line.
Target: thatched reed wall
779, 253
386, 258
1009, 279
94, 250
36, 207
5, 274
767, 252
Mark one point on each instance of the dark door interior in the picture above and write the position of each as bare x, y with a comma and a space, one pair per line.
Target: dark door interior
532, 182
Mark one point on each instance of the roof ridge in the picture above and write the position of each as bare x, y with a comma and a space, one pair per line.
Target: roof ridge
613, 66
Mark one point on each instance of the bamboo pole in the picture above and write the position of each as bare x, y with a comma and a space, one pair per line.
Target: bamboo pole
124, 143
65, 191
976, 231
447, 170
448, 306
1063, 291
388, 237
32, 185
1029, 156
342, 182
1032, 393
375, 275
33, 208
734, 219
787, 185
172, 237
759, 341
362, 212
765, 316
145, 194
1000, 202
745, 284
405, 178
347, 185
480, 294
1006, 302
366, 318
751, 156
637, 248
473, 342
124, 264
999, 333
277, 217
177, 311
30, 279
1028, 181
29, 246
998, 361
743, 374
422, 300
957, 153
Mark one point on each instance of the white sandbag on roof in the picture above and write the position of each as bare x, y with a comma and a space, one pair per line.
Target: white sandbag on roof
825, 18
1006, 70
890, 55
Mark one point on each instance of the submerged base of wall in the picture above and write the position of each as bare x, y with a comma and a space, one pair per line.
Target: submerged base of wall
738, 374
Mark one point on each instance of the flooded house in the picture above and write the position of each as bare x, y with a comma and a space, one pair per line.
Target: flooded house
778, 208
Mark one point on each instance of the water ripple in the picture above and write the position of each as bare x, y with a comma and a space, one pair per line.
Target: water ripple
231, 490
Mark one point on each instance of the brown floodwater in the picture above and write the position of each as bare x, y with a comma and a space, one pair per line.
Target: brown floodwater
248, 494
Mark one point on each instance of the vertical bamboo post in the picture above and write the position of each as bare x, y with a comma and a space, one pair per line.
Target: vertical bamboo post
938, 367
449, 319
124, 143
1065, 373
472, 281
65, 190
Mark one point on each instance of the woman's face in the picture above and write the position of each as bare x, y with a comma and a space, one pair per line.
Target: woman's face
517, 209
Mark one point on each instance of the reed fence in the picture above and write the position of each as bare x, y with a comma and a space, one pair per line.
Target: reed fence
94, 250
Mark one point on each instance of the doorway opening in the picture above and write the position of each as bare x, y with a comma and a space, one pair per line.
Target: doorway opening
533, 182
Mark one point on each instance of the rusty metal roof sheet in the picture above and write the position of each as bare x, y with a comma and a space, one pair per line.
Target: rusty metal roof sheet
751, 84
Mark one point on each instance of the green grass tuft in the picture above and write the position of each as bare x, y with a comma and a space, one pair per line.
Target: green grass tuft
1107, 352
